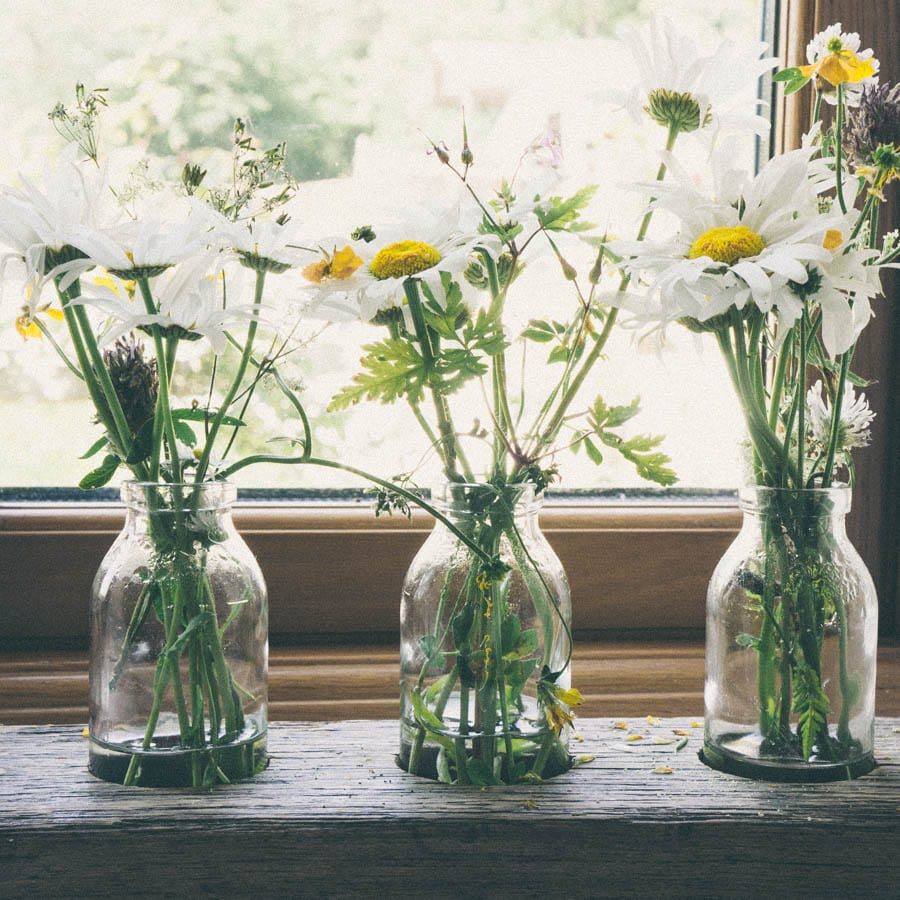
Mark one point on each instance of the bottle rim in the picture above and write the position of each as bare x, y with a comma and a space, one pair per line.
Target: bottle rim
207, 495
456, 496
810, 501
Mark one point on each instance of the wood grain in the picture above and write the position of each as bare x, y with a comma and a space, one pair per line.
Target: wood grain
330, 683
333, 817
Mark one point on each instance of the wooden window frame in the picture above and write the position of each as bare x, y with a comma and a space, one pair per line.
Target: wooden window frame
636, 568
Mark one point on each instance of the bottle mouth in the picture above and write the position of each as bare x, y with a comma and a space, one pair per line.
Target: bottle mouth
164, 496
801, 501
474, 498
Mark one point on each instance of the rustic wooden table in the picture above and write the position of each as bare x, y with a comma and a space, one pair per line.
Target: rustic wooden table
333, 817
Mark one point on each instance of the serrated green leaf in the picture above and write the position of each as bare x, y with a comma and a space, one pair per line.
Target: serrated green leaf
394, 368
561, 214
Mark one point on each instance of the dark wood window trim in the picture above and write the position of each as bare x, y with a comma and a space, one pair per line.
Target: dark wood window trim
335, 572
874, 525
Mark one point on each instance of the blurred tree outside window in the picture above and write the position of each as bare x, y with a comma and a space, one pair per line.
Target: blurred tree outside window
357, 92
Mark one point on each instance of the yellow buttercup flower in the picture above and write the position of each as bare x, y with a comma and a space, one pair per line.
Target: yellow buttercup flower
26, 323
340, 265
835, 57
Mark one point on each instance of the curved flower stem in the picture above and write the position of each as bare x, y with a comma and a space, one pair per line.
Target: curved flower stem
552, 429
352, 470
203, 463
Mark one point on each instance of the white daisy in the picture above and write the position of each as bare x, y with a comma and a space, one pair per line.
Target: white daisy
38, 221
754, 240
187, 300
164, 229
701, 89
371, 278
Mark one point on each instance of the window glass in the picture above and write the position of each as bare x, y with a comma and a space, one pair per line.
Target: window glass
357, 91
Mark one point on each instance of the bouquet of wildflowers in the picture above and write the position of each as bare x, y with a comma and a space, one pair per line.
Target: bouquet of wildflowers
140, 276
486, 696
780, 269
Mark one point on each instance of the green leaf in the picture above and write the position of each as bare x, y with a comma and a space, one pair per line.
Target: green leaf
185, 433
95, 448
790, 74
197, 414
480, 772
101, 475
541, 332
393, 368
558, 354
593, 452
813, 706
562, 214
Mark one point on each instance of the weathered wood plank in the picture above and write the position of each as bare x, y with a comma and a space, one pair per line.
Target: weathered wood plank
334, 817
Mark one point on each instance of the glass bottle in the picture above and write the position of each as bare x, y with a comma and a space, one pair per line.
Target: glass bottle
791, 639
485, 648
179, 643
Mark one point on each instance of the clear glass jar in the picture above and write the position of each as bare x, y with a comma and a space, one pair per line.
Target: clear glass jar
485, 649
791, 640
179, 643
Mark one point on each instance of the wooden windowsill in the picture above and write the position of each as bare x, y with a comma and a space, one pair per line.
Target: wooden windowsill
333, 817
355, 681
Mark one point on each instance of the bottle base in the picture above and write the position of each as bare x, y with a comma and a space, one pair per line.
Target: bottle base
784, 770
435, 764
160, 767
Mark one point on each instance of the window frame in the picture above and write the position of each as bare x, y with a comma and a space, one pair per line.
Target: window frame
636, 568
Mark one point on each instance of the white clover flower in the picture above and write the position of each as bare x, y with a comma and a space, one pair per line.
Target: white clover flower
855, 421
678, 83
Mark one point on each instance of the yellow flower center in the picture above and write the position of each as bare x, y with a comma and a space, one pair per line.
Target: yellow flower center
403, 258
727, 245
833, 239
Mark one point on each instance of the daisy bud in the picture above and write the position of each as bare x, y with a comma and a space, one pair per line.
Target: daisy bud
677, 111
467, 157
569, 271
597, 268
